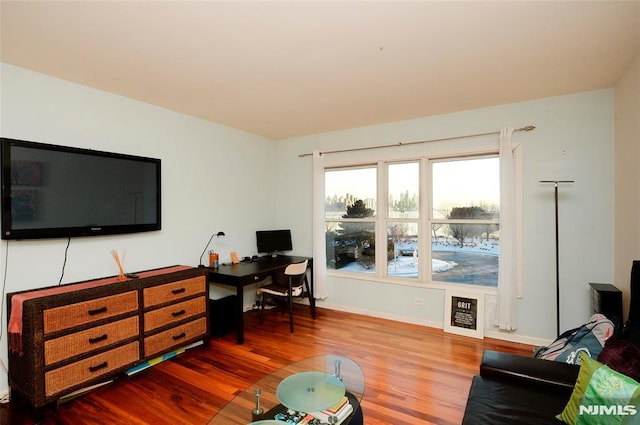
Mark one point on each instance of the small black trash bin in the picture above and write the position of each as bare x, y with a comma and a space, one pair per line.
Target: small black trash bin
222, 315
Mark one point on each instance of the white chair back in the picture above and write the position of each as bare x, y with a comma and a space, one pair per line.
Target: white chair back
296, 269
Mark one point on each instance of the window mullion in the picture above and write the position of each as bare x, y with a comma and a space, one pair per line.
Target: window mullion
425, 220
381, 220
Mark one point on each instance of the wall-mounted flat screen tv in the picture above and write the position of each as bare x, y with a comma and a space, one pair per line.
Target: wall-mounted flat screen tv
273, 241
51, 191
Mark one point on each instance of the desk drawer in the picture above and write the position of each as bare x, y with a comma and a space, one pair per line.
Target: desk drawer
167, 315
74, 344
77, 373
60, 318
175, 337
169, 292
261, 276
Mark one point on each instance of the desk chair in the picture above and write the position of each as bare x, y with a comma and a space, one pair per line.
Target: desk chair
295, 285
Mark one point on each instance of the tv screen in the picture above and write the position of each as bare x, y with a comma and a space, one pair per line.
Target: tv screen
272, 241
51, 191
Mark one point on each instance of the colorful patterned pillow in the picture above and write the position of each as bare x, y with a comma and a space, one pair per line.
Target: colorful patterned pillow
602, 396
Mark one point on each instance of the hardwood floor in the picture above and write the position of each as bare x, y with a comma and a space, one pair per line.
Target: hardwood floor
413, 374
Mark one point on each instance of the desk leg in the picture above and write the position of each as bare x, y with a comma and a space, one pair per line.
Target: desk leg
240, 314
312, 293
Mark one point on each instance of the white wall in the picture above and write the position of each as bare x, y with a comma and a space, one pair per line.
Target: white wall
213, 178
217, 178
573, 140
627, 228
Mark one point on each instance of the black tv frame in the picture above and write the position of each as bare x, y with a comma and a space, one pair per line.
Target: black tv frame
9, 233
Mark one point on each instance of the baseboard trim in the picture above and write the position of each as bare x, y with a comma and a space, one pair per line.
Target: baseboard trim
382, 315
488, 333
517, 338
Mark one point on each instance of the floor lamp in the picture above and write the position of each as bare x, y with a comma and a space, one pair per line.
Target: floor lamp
555, 184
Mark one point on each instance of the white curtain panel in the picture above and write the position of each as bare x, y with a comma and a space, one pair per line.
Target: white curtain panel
319, 250
510, 226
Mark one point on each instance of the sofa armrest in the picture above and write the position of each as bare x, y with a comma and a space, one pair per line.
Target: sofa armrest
544, 374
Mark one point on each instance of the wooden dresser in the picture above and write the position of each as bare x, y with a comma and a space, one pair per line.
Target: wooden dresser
175, 313
78, 335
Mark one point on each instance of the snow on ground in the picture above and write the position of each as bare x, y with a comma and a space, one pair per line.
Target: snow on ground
407, 265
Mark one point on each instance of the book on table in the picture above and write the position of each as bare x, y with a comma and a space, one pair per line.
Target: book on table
341, 411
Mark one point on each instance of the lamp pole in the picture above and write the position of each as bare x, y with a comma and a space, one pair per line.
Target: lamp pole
555, 184
207, 246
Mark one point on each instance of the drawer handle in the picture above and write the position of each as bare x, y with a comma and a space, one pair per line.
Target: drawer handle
178, 291
98, 339
98, 367
179, 336
178, 313
97, 311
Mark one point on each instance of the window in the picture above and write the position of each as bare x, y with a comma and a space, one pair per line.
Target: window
403, 184
402, 257
465, 238
380, 205
350, 225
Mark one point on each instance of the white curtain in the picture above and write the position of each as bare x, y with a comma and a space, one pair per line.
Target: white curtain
319, 250
509, 269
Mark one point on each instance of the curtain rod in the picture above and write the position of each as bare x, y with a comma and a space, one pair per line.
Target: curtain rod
525, 128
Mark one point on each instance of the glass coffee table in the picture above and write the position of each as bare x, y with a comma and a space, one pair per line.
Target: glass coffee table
328, 388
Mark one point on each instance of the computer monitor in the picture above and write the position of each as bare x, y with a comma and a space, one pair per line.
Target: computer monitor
273, 241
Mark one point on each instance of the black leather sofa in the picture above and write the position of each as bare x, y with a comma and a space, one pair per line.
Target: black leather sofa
514, 389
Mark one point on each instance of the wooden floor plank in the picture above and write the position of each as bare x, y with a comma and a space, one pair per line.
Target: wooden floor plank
414, 375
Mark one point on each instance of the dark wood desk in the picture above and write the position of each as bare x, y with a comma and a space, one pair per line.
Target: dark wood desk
248, 273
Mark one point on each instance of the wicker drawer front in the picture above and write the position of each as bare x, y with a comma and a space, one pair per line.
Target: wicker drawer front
174, 291
71, 345
173, 313
60, 318
164, 340
75, 374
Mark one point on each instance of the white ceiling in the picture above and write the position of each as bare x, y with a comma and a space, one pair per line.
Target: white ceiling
286, 69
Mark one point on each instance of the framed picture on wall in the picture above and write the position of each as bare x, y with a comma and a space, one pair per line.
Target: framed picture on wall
464, 313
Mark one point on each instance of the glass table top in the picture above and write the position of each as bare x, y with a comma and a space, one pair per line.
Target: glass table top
309, 385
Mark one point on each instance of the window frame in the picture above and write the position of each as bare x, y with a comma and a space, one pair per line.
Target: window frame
373, 219
424, 220
386, 220
446, 221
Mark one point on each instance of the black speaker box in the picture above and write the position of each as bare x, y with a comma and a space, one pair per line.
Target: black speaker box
607, 299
